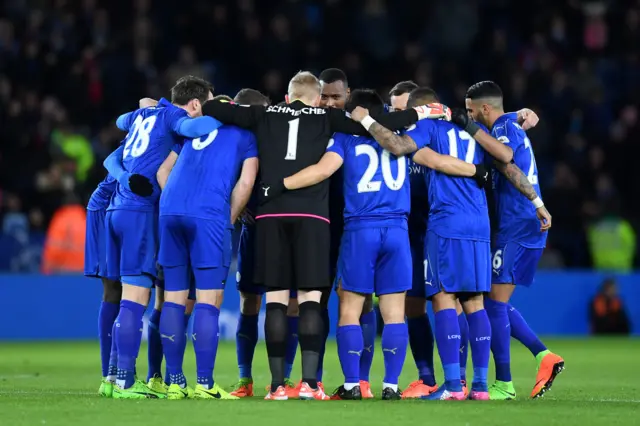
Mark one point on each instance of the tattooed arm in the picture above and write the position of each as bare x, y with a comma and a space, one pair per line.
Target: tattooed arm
395, 144
519, 180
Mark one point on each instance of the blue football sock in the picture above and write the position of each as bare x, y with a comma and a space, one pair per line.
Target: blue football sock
521, 331
480, 338
128, 337
395, 338
350, 349
106, 318
447, 333
154, 352
113, 357
205, 341
326, 321
167, 377
369, 324
246, 341
500, 338
172, 333
421, 342
464, 345
292, 346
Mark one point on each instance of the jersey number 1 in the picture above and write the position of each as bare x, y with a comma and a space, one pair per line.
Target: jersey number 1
292, 140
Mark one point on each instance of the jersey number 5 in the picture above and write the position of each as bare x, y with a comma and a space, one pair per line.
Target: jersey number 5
366, 183
138, 140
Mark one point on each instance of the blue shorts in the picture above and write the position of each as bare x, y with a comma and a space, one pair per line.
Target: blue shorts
456, 266
375, 260
190, 245
131, 243
246, 255
201, 243
417, 258
514, 264
95, 247
159, 283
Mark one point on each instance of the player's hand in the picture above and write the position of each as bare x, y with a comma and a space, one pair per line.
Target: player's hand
269, 191
527, 118
140, 185
247, 217
482, 175
147, 102
433, 111
460, 118
359, 113
545, 218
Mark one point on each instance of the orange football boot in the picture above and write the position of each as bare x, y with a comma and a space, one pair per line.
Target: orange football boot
418, 389
365, 389
308, 394
279, 395
550, 366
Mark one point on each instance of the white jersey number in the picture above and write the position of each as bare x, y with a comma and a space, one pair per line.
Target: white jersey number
367, 184
292, 140
531, 175
199, 144
453, 145
138, 140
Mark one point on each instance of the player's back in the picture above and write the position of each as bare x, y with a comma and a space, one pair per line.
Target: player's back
419, 199
458, 205
516, 215
206, 172
150, 139
290, 138
376, 185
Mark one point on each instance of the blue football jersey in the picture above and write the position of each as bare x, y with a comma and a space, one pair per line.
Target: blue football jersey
458, 206
375, 183
206, 172
101, 197
152, 133
517, 221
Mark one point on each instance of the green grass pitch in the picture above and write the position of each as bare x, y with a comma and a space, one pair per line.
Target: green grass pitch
56, 384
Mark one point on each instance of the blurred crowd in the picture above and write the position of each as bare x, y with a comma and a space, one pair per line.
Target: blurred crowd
69, 68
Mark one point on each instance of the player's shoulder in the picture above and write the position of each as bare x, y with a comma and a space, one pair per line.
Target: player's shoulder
507, 130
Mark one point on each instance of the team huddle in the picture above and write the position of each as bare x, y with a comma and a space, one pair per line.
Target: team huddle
339, 194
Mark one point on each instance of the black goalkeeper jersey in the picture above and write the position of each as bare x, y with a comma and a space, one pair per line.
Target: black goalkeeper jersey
292, 137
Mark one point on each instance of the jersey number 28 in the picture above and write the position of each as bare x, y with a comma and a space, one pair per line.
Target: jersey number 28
138, 140
367, 184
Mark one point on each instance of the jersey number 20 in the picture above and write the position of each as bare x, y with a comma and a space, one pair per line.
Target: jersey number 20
138, 140
367, 184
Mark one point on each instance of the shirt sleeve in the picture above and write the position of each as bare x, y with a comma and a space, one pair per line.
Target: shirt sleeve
422, 132
125, 121
245, 116
177, 148
252, 146
508, 133
337, 144
340, 122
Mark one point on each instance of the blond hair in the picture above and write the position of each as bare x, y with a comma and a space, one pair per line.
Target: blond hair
304, 86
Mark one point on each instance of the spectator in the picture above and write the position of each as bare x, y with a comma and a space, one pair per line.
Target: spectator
64, 244
607, 313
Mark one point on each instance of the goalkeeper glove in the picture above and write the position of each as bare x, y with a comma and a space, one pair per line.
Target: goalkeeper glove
433, 111
460, 118
482, 175
270, 191
138, 184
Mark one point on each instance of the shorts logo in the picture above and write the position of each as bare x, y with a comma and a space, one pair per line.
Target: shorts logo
238, 277
266, 190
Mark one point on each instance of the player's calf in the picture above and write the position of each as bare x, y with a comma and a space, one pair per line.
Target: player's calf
421, 343
246, 341
112, 293
310, 332
395, 338
480, 341
350, 344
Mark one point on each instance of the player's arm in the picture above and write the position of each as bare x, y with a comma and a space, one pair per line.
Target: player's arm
195, 127
244, 187
398, 120
165, 168
520, 181
493, 146
444, 163
125, 121
246, 116
147, 102
396, 144
309, 176
135, 183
